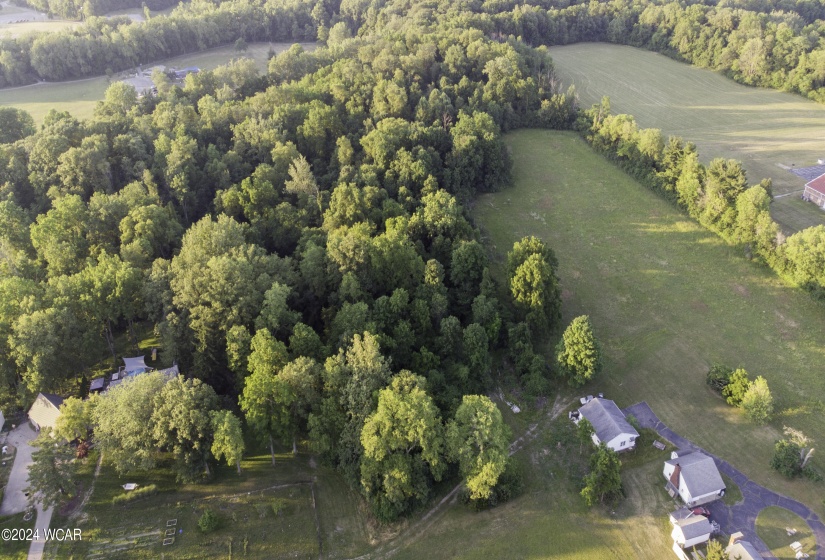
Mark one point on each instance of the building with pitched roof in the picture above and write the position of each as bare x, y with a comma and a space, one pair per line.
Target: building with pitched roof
815, 191
741, 549
609, 424
691, 531
45, 410
694, 477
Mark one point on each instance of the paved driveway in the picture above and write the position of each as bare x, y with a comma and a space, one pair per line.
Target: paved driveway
742, 516
14, 501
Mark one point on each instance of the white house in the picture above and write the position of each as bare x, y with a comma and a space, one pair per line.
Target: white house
609, 424
691, 531
694, 477
741, 549
45, 410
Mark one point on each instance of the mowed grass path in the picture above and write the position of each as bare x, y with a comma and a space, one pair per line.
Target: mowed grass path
760, 127
80, 97
667, 299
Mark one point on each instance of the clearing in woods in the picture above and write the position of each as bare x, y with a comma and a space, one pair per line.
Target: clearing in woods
667, 299
763, 128
79, 97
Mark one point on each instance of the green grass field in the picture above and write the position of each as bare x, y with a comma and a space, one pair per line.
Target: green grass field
272, 509
764, 129
81, 96
667, 299
770, 526
18, 29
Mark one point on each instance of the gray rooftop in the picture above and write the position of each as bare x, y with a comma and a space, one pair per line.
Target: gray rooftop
696, 526
608, 421
699, 473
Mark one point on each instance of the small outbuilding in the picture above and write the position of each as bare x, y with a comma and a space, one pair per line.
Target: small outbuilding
97, 384
741, 549
694, 477
45, 411
815, 191
609, 424
692, 531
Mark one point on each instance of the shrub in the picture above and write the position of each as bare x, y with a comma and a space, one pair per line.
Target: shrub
786, 458
278, 506
136, 494
758, 401
718, 377
208, 522
736, 388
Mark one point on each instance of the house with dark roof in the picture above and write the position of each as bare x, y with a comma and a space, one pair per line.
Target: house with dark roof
45, 411
609, 424
815, 191
691, 531
740, 549
694, 477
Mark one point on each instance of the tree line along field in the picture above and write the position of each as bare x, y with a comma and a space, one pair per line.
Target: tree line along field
762, 128
80, 97
667, 299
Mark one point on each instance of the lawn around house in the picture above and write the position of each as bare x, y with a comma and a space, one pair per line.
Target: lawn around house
770, 526
764, 129
667, 299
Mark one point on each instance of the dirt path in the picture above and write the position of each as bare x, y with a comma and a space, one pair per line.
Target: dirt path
415, 530
76, 513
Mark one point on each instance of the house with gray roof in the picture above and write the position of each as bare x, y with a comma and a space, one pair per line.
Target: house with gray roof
691, 531
694, 477
609, 424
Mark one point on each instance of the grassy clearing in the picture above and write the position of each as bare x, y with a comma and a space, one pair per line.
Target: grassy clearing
19, 29
667, 299
762, 128
550, 520
15, 550
269, 508
733, 495
80, 97
770, 526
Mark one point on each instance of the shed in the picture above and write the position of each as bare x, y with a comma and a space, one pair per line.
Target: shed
692, 531
45, 411
97, 384
609, 424
742, 549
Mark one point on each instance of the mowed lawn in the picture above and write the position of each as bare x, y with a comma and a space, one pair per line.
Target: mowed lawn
763, 128
80, 97
667, 299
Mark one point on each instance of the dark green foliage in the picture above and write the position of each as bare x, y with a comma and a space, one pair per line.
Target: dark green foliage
718, 377
787, 458
209, 521
603, 484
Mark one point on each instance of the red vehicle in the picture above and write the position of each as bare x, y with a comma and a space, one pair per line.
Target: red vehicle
701, 511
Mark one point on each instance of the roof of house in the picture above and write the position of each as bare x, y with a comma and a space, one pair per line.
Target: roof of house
681, 514
134, 364
817, 184
743, 550
607, 420
699, 473
97, 384
45, 410
696, 526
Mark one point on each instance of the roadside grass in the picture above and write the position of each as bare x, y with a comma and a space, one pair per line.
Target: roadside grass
549, 519
760, 127
80, 97
269, 508
733, 495
770, 526
17, 549
667, 299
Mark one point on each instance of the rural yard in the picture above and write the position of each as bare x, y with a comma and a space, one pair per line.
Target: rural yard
770, 132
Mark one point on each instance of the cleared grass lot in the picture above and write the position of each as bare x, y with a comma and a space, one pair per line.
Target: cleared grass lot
80, 97
771, 524
667, 299
764, 129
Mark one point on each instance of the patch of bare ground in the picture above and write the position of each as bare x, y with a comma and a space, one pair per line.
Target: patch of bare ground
741, 290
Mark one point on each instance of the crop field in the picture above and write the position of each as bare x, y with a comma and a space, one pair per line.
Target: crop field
768, 131
667, 299
79, 97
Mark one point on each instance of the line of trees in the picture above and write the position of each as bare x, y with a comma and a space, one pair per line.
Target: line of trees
718, 195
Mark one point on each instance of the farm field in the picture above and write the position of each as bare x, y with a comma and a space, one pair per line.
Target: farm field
81, 96
667, 299
763, 128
